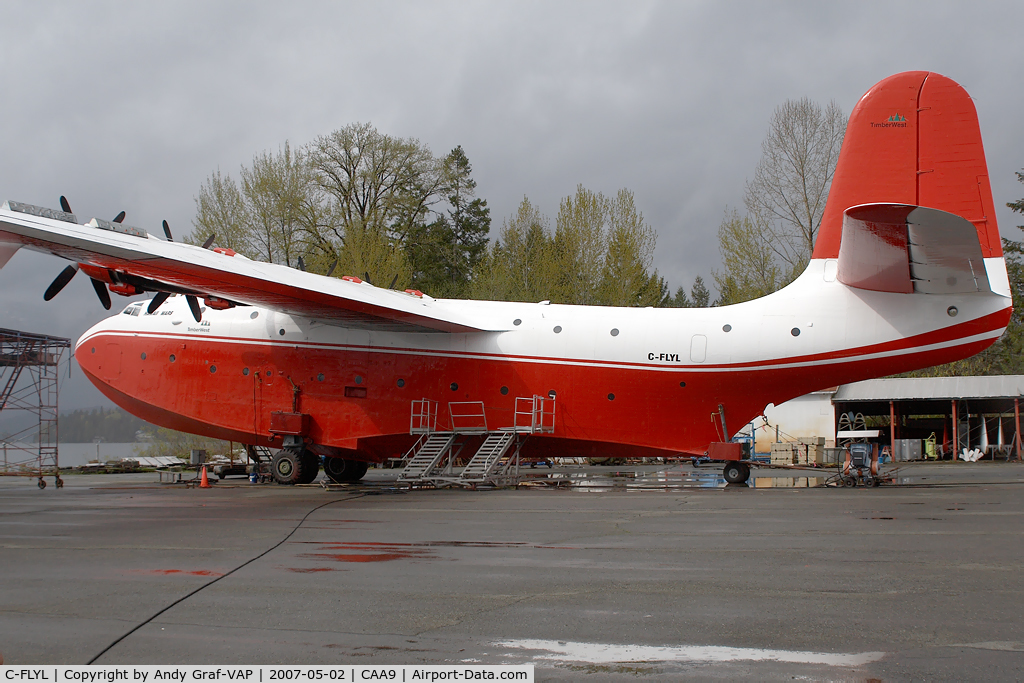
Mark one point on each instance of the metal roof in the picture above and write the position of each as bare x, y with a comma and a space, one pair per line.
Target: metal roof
932, 388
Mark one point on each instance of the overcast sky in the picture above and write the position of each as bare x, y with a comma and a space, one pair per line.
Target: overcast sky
132, 105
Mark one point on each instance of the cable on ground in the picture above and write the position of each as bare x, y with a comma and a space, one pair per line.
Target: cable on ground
222, 576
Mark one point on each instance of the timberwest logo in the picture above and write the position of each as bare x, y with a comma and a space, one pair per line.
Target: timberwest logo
894, 121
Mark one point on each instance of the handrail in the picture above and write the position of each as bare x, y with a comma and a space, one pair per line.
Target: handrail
465, 420
534, 414
423, 416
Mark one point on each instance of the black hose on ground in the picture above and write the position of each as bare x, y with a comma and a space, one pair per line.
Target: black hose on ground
222, 576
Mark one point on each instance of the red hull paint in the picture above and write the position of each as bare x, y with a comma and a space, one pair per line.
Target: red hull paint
227, 389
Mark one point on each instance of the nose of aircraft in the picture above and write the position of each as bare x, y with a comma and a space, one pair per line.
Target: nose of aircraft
91, 351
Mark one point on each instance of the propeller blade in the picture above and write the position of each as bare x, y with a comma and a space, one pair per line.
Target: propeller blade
60, 282
193, 304
366, 278
330, 271
167, 231
64, 206
119, 217
209, 241
301, 264
102, 293
157, 301
392, 285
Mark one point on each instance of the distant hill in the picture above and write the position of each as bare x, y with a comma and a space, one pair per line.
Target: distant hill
111, 425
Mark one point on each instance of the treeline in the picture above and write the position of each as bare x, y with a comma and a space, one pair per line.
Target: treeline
111, 425
385, 209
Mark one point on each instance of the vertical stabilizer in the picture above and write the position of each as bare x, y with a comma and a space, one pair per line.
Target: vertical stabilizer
912, 139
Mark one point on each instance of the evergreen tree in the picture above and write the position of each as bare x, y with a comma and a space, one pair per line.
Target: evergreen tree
444, 253
699, 294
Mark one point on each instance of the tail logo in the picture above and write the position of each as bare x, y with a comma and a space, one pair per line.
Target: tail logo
894, 121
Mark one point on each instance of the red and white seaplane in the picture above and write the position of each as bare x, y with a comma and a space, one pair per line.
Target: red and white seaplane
907, 272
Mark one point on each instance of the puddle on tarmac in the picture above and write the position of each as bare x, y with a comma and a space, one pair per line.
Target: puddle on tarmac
369, 552
168, 572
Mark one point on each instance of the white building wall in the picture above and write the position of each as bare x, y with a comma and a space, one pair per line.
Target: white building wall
811, 415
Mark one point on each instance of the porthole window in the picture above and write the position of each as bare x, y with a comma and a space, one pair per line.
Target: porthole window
245, 371
951, 311
504, 391
94, 349
254, 314
172, 358
795, 331
726, 328
359, 379
213, 369
552, 394
320, 377
454, 386
269, 373
143, 355
400, 382
615, 332
281, 331
611, 397
558, 328
682, 384
517, 321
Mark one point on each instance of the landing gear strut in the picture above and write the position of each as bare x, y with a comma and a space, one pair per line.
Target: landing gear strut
736, 472
341, 470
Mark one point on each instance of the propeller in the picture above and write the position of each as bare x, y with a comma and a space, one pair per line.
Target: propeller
60, 282
65, 276
301, 265
157, 301
161, 297
193, 304
330, 271
102, 293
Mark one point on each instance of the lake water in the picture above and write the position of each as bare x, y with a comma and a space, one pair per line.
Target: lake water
77, 454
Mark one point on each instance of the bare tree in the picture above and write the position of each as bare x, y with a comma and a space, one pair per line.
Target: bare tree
751, 268
786, 198
270, 215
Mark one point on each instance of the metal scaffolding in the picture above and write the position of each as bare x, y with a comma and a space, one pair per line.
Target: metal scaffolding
29, 372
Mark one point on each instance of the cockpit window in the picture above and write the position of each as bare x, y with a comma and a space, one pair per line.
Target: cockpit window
132, 309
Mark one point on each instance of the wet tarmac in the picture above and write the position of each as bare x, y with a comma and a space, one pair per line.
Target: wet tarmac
650, 573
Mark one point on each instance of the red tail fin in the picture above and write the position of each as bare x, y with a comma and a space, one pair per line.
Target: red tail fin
912, 139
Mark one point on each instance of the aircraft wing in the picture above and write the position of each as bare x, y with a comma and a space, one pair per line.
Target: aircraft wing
127, 259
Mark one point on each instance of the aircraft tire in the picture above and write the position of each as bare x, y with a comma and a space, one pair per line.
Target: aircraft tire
310, 467
736, 472
286, 467
341, 470
358, 469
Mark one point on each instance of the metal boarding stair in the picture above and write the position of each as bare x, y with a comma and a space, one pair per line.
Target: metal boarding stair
428, 456
431, 458
487, 458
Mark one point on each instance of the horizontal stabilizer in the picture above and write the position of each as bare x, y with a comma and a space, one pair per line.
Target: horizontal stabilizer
910, 249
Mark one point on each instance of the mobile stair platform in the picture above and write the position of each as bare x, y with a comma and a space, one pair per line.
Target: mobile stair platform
495, 462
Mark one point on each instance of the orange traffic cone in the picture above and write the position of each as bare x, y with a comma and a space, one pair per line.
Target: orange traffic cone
204, 483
